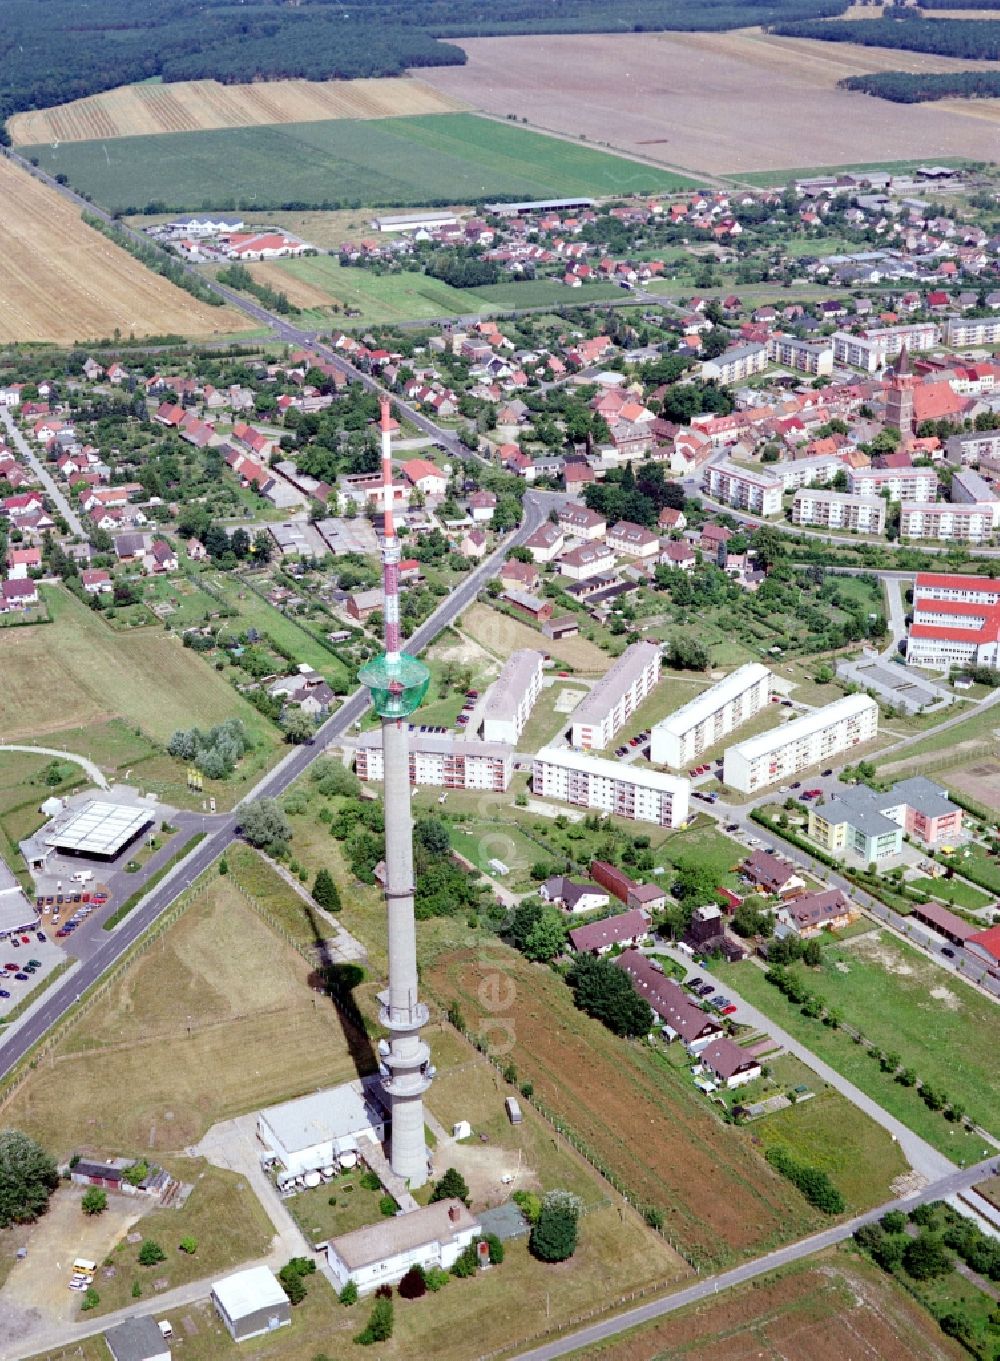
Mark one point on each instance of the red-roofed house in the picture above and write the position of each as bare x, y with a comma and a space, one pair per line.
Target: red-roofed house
425, 477
625, 929
22, 561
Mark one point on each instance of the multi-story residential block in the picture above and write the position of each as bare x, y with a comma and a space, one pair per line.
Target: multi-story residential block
616, 696
512, 696
445, 761
870, 824
815, 737
969, 489
581, 523
901, 484
956, 622
945, 520
804, 472
972, 330
633, 541
967, 449
873, 349
839, 510
587, 560
745, 488
591, 782
698, 725
807, 356
736, 365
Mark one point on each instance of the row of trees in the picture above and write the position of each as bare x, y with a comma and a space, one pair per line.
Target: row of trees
977, 39
904, 87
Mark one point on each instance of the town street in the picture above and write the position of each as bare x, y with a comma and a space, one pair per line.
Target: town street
43, 475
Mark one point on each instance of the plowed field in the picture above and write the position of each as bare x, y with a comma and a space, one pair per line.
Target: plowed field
196, 105
63, 281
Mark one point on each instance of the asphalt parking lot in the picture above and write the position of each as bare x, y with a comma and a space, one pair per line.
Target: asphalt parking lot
49, 955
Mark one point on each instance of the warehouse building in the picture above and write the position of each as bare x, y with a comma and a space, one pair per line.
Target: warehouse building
512, 696
250, 1303
807, 741
616, 696
312, 1132
137, 1339
440, 759
16, 912
98, 830
682, 736
591, 782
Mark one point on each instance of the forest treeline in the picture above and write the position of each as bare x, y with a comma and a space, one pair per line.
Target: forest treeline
52, 51
903, 87
974, 39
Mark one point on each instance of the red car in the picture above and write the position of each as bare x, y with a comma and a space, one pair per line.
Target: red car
813, 793
730, 1010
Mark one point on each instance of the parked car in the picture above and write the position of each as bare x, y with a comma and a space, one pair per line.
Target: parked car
730, 1010
828, 771
694, 983
948, 952
21, 977
796, 784
705, 989
40, 936
34, 963
4, 993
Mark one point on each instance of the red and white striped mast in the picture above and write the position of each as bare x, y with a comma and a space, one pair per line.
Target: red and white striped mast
390, 546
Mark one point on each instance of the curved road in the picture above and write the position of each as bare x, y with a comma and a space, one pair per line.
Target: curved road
94, 771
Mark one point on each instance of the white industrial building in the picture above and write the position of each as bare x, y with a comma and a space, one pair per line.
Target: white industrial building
16, 912
381, 1254
444, 760
512, 696
839, 510
807, 741
616, 696
745, 488
251, 1302
98, 830
592, 782
312, 1132
698, 725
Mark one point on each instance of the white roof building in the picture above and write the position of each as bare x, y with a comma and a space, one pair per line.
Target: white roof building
433, 1236
682, 736
99, 829
312, 1131
512, 696
593, 782
251, 1302
806, 741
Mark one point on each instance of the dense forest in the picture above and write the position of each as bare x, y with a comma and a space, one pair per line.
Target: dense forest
975, 39
52, 51
903, 87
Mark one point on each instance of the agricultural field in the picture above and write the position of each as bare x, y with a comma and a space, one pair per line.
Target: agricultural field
502, 635
827, 1308
172, 1023
64, 281
895, 997
152, 108
636, 1114
376, 298
393, 161
145, 677
680, 99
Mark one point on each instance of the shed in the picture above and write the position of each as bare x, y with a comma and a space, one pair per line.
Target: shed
251, 1302
137, 1339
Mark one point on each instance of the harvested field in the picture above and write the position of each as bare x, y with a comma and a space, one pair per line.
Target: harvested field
636, 1114
826, 1309
218, 983
980, 781
299, 292
196, 105
63, 281
681, 99
502, 635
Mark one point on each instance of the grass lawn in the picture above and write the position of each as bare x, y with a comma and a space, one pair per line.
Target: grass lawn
393, 161
976, 729
23, 786
505, 841
255, 612
502, 635
897, 999
545, 722
954, 891
545, 293
277, 897
188, 606
352, 1207
705, 848
976, 862
218, 982
383, 298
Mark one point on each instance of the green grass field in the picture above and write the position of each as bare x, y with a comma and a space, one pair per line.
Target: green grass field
705, 848
452, 158
898, 1000
954, 891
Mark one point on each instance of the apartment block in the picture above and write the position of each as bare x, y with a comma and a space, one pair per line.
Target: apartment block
839, 510
968, 488
444, 761
581, 523
616, 696
736, 365
803, 472
874, 348
971, 448
816, 737
586, 560
512, 696
946, 520
972, 330
901, 484
956, 621
698, 725
870, 824
806, 356
633, 541
745, 488
591, 782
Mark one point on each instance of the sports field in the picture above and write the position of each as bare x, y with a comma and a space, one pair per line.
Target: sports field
454, 157
196, 105
63, 281
76, 672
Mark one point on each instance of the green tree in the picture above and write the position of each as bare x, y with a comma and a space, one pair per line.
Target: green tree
94, 1202
150, 1253
28, 1176
325, 892
605, 992
188, 1245
349, 1294
380, 1323
926, 1257
451, 1186
554, 1234
547, 936
264, 825
297, 727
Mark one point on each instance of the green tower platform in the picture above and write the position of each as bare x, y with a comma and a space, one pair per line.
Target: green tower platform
396, 687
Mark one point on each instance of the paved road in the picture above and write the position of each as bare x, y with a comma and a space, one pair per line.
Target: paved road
34, 1025
43, 475
713, 1285
94, 771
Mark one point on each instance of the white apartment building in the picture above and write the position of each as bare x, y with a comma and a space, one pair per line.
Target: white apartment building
873, 349
807, 741
745, 488
966, 449
441, 760
807, 356
592, 782
587, 560
736, 365
972, 330
581, 523
839, 510
802, 472
956, 622
946, 520
616, 696
698, 725
969, 489
902, 484
633, 541
512, 696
